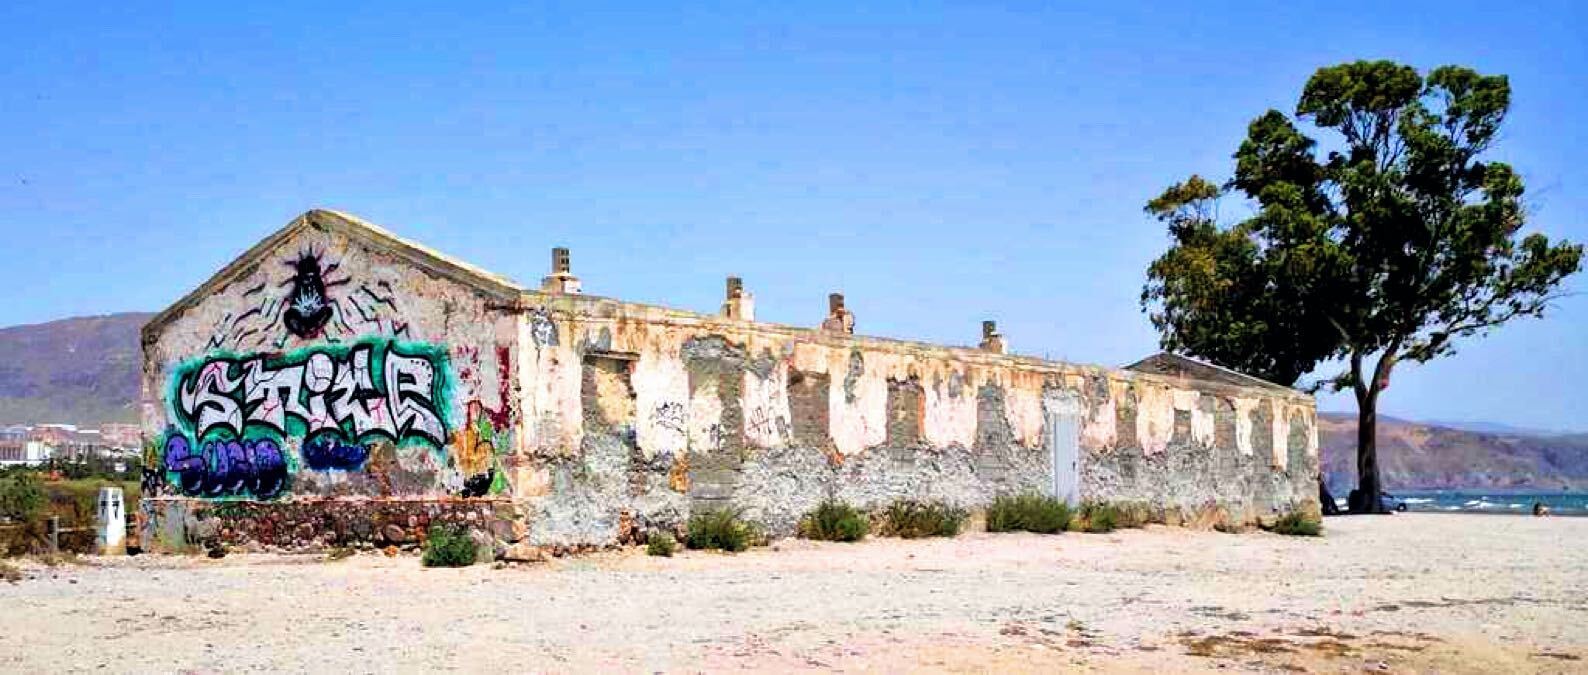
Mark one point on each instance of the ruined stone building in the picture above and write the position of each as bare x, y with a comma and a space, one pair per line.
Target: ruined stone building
337, 383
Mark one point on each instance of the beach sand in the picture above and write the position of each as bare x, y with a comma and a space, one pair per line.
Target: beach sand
1403, 593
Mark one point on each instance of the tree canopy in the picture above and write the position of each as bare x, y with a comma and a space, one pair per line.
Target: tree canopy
1395, 238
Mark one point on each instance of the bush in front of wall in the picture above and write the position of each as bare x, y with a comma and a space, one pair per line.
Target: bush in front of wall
721, 529
912, 520
1296, 524
1097, 517
834, 521
1028, 512
661, 545
1134, 515
449, 546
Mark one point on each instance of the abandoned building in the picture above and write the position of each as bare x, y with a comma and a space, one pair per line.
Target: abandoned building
337, 384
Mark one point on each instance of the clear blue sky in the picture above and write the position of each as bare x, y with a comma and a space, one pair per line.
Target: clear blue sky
938, 164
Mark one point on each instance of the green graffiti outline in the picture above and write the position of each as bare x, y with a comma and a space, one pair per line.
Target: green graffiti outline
442, 391
441, 394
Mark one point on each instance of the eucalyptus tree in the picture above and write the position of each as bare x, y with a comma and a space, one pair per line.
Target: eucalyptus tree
1385, 240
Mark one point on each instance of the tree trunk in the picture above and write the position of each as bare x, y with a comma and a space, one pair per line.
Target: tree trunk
1365, 498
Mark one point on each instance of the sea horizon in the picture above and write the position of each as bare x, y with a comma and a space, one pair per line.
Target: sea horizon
1500, 501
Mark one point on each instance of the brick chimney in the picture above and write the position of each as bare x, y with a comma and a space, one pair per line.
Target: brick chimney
738, 304
991, 340
839, 319
562, 279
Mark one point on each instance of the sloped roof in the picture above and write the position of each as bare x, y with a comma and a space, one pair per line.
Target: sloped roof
357, 230
1166, 363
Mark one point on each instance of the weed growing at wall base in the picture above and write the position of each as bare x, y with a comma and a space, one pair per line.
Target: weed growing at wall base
1296, 524
1097, 517
719, 530
834, 521
913, 520
448, 546
1028, 512
661, 544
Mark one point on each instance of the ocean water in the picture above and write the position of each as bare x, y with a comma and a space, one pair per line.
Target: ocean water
1518, 502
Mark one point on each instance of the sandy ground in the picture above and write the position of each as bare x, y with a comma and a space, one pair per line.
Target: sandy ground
1405, 593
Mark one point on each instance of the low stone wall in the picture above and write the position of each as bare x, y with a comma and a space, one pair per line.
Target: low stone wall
185, 525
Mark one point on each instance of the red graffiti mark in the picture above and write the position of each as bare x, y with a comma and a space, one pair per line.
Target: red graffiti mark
504, 383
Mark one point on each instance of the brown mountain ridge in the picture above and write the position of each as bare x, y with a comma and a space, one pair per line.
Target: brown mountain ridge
1414, 455
82, 370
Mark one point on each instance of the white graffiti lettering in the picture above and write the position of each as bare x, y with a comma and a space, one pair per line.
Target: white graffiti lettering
323, 392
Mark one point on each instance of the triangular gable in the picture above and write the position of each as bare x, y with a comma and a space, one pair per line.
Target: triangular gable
356, 230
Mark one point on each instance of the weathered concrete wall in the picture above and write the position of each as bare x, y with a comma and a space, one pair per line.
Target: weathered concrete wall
640, 415
338, 385
331, 370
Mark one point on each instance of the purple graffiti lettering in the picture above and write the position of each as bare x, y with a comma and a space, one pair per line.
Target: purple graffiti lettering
327, 452
180, 460
227, 468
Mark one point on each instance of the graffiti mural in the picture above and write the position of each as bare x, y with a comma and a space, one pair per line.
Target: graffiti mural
486, 435
233, 416
322, 391
317, 300
226, 468
308, 306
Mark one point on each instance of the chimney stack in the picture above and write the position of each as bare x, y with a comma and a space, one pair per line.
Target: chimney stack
839, 319
738, 304
991, 340
561, 280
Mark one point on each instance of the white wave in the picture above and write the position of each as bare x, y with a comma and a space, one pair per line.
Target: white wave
1417, 500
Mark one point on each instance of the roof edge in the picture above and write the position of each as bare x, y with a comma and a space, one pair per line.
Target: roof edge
355, 229
1254, 380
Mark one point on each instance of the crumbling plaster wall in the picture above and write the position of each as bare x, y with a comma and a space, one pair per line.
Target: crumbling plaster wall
330, 370
712, 413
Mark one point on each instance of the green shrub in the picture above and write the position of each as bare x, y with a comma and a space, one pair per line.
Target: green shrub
721, 529
449, 546
913, 520
1028, 512
661, 544
1098, 517
1296, 524
834, 521
22, 498
1133, 515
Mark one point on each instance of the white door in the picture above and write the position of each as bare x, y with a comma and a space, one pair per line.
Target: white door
1064, 440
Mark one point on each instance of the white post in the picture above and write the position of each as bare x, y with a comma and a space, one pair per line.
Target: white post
112, 522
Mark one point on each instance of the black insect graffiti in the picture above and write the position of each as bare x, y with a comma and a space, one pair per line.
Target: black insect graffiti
309, 306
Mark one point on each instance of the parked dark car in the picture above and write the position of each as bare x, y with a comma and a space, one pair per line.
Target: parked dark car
1391, 502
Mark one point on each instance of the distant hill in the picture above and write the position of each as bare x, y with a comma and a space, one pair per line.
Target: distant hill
77, 371
1414, 455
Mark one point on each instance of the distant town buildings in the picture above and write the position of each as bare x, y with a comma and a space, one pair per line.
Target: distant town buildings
38, 444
